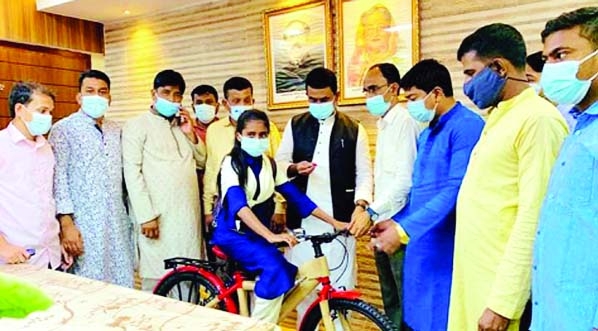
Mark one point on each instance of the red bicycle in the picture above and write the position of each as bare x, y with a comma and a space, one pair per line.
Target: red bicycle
224, 286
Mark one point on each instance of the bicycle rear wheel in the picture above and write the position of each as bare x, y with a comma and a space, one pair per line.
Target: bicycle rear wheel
190, 287
351, 315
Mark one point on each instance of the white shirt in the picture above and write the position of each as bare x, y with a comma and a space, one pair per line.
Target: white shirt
396, 150
318, 183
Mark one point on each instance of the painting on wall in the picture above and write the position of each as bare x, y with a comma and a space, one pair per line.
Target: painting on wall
372, 32
297, 39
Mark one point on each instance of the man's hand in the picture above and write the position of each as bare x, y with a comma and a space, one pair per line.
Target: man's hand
360, 222
70, 237
491, 321
12, 254
301, 168
151, 229
187, 123
208, 220
279, 222
385, 237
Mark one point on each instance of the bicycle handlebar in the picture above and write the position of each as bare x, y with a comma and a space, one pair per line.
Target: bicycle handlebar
320, 238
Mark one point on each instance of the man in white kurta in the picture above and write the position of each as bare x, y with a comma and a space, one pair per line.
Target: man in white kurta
160, 171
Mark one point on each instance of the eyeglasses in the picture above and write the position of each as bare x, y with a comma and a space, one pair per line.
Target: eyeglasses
372, 89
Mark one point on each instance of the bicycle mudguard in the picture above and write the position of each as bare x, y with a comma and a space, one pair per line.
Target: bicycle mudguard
229, 303
347, 294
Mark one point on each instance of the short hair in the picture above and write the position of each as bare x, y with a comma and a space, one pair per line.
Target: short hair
204, 89
586, 18
535, 61
426, 75
22, 93
236, 83
496, 40
169, 77
389, 72
320, 78
93, 74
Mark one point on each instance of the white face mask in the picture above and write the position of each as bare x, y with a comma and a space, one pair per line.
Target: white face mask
236, 111
205, 113
94, 106
560, 83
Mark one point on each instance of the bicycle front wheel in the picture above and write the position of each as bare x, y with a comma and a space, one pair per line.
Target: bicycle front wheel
347, 314
190, 287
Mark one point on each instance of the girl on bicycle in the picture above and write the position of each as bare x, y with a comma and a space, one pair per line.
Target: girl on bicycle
247, 181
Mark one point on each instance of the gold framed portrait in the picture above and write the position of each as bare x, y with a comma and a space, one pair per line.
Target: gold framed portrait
298, 39
373, 32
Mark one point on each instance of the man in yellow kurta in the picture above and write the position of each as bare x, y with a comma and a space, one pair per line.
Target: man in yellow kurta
220, 138
505, 182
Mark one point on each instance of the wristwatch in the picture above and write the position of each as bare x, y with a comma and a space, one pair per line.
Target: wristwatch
373, 214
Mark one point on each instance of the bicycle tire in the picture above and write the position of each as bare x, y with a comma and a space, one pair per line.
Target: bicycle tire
197, 282
356, 306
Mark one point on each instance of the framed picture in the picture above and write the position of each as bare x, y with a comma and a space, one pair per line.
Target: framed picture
372, 32
297, 39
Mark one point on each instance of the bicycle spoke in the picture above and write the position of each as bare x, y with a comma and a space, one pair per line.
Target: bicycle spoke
178, 286
344, 319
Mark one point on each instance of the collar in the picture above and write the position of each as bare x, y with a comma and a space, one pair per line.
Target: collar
447, 116
17, 136
390, 116
329, 120
159, 116
593, 109
82, 116
229, 122
504, 107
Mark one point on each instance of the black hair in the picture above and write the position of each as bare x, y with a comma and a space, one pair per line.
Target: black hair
535, 61
586, 18
389, 72
93, 74
169, 78
22, 92
236, 83
320, 78
426, 75
496, 40
238, 160
204, 89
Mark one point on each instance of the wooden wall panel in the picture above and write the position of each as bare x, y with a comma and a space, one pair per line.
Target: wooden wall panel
21, 22
210, 43
58, 70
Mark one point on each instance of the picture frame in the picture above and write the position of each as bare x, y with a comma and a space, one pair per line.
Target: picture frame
373, 32
297, 39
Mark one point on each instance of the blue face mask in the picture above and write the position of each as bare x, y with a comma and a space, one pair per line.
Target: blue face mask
94, 106
254, 146
237, 110
165, 107
418, 110
485, 88
560, 83
376, 105
39, 125
322, 110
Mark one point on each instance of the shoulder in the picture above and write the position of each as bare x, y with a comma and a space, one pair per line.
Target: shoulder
134, 123
465, 114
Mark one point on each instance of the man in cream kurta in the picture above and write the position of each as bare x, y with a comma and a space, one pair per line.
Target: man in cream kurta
160, 171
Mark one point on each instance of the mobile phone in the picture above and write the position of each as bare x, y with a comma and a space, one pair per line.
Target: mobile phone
30, 251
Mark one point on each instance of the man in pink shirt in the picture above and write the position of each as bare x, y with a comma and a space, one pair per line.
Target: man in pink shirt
29, 231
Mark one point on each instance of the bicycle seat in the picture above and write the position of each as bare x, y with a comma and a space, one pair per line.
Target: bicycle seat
219, 253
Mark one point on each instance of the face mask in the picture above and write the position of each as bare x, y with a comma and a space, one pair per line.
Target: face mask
484, 88
255, 146
205, 113
236, 111
94, 106
376, 105
560, 84
418, 110
39, 125
321, 111
537, 87
165, 107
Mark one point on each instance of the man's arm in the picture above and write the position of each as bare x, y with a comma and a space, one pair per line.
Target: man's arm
404, 141
284, 155
418, 222
133, 140
537, 149
364, 181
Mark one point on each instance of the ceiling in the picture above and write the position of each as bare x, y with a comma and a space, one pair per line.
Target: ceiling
104, 11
